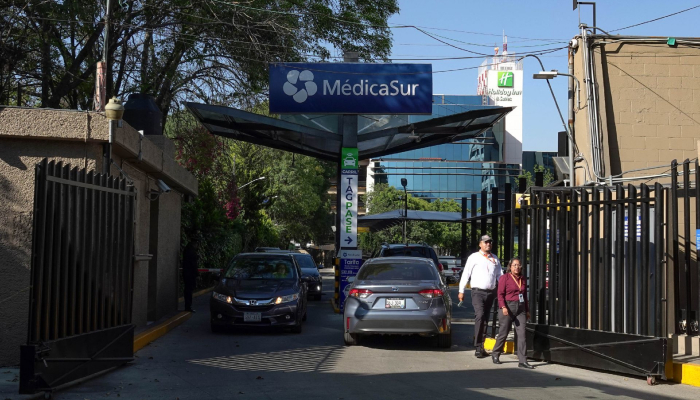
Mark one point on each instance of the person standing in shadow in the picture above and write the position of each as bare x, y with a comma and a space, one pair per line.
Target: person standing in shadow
190, 271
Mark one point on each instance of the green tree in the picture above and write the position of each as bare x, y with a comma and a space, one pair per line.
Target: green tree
445, 236
211, 51
548, 177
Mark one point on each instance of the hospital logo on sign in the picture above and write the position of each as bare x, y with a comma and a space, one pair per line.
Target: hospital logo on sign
300, 94
505, 79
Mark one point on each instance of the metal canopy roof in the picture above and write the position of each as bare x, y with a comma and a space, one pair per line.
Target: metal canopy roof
326, 143
378, 222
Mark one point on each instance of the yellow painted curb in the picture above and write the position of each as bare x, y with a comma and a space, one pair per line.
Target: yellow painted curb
508, 348
335, 308
685, 373
144, 338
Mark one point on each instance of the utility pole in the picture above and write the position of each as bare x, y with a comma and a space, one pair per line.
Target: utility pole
103, 66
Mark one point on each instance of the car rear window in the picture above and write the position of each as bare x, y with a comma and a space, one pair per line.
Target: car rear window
407, 252
305, 261
261, 268
397, 272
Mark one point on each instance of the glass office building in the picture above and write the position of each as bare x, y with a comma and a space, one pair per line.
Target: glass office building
449, 171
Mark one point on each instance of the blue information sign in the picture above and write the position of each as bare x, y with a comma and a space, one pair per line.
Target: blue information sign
348, 269
351, 88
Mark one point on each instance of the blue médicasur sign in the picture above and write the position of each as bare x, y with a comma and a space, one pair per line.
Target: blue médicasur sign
351, 88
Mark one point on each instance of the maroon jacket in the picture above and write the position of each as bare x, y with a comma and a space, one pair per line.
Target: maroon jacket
508, 290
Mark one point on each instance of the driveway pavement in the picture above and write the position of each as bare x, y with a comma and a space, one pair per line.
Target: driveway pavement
192, 363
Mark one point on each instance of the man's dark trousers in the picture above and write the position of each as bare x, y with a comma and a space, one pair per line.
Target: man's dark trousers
482, 300
190, 282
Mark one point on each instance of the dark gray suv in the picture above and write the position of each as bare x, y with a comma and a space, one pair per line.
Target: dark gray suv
411, 250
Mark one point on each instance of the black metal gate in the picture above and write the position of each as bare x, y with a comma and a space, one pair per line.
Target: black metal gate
596, 269
81, 277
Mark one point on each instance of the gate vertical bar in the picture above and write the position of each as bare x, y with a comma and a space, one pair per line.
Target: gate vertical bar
607, 260
38, 252
585, 240
633, 272
522, 251
574, 265
533, 257
484, 211
658, 265
595, 261
674, 246
508, 231
463, 243
697, 230
644, 268
494, 221
619, 287
554, 277
74, 210
686, 248
542, 255
473, 233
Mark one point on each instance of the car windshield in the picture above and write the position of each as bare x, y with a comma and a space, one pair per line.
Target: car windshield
406, 252
397, 272
261, 268
305, 261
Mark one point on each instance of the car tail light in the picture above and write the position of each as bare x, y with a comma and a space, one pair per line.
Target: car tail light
440, 267
347, 323
431, 293
361, 293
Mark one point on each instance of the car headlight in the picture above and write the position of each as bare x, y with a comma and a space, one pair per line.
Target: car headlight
287, 299
222, 297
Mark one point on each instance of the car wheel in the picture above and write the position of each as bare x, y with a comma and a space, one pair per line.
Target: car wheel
297, 328
445, 340
304, 317
351, 339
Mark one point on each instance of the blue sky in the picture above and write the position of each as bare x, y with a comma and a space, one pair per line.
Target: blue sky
524, 20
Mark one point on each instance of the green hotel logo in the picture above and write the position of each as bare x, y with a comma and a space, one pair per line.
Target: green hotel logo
505, 79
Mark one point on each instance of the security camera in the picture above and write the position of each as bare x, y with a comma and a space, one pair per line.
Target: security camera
162, 186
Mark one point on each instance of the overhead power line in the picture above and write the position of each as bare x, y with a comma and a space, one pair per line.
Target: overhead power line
656, 19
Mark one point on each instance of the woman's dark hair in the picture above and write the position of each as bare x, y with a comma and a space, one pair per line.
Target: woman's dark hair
511, 262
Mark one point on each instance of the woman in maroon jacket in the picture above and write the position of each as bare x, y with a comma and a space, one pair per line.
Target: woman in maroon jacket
512, 299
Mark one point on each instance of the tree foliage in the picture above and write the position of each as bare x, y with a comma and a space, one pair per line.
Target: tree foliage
445, 237
548, 177
212, 51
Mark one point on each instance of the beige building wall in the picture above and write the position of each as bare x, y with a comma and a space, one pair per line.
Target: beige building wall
649, 104
77, 138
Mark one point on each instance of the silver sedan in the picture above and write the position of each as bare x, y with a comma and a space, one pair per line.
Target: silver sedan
398, 295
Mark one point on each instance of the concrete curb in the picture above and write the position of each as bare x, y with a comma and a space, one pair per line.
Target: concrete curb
508, 348
144, 338
686, 373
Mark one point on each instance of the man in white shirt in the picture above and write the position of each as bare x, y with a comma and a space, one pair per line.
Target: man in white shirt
483, 269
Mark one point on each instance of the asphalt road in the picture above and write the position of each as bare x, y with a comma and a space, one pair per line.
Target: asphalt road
192, 363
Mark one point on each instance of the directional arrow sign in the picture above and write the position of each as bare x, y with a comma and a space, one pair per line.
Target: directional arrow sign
348, 240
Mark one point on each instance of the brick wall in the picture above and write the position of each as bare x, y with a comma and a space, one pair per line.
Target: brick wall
649, 103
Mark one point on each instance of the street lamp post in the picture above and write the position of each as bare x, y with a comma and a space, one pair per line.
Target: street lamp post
254, 180
404, 182
551, 75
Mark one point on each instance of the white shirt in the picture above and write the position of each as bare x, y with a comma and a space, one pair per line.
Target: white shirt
483, 269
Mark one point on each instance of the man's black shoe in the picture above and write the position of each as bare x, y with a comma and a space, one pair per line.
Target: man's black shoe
484, 353
495, 359
479, 354
525, 365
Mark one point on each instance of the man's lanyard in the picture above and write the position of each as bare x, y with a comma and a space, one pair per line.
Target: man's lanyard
518, 282
493, 261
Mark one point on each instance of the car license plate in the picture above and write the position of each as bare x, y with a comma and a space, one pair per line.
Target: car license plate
395, 303
252, 317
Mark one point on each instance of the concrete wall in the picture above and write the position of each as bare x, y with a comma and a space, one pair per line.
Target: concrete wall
29, 135
649, 104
